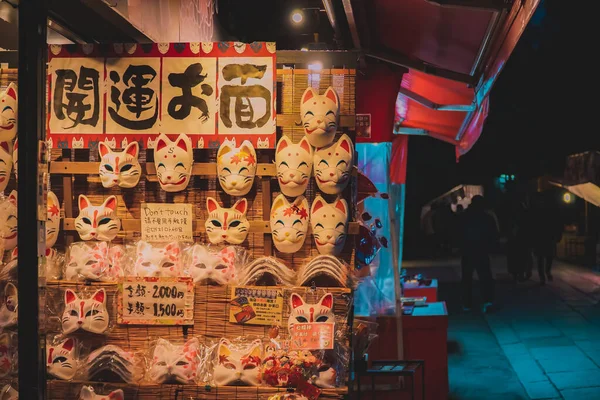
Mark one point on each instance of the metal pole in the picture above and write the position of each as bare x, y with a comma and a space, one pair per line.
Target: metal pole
31, 237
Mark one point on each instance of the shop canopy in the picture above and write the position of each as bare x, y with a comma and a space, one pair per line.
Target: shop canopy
582, 176
452, 52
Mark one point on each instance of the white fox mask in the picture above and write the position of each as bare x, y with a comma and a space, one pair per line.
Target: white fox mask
173, 161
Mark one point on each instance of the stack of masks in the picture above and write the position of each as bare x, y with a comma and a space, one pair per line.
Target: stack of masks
324, 270
266, 271
111, 364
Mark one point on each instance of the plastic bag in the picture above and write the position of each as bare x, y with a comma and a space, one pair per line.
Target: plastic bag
86, 310
266, 271
325, 271
218, 266
112, 364
174, 363
234, 362
88, 393
9, 306
94, 261
157, 259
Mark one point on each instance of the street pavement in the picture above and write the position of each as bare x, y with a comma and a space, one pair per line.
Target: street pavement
543, 342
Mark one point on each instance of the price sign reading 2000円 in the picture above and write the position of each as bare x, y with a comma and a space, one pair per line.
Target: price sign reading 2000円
156, 301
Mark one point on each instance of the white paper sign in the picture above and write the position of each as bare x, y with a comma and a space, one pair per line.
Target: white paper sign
156, 301
163, 222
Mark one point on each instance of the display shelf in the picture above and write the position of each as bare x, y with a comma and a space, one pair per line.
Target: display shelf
62, 390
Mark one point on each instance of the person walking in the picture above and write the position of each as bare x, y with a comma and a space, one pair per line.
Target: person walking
478, 236
547, 232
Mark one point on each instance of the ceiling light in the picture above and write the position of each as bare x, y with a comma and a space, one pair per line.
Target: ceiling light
297, 17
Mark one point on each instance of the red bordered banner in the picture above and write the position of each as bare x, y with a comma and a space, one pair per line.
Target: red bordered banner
121, 93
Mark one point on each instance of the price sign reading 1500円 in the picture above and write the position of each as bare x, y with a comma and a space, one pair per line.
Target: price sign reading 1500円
156, 301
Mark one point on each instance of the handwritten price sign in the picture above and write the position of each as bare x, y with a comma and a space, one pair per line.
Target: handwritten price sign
312, 336
156, 301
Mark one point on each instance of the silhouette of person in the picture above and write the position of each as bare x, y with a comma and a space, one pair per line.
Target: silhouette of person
479, 233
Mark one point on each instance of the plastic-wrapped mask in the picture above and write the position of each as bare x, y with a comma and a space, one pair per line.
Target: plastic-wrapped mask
236, 167
325, 378
15, 158
7, 356
6, 164
320, 116
8, 222
158, 260
9, 308
303, 313
238, 366
173, 161
294, 163
217, 267
88, 314
172, 363
62, 359
97, 222
289, 223
87, 261
119, 167
88, 393
333, 166
8, 113
227, 224
53, 222
329, 225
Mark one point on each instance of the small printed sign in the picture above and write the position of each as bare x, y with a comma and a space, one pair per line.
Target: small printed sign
363, 126
163, 222
255, 305
156, 301
312, 336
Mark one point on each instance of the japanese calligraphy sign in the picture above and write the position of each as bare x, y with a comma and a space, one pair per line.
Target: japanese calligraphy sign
156, 301
255, 305
312, 336
167, 222
124, 93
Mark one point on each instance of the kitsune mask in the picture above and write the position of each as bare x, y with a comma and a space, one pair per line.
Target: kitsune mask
173, 161
236, 167
8, 221
53, 222
238, 366
6, 164
119, 167
97, 222
8, 113
289, 223
217, 267
87, 314
158, 260
87, 261
88, 393
6, 354
294, 164
172, 363
227, 224
329, 225
9, 309
62, 359
333, 165
320, 116
303, 313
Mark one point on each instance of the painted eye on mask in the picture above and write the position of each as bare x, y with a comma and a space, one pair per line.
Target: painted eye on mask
104, 221
250, 366
91, 262
108, 167
322, 319
180, 164
167, 265
201, 266
86, 220
91, 313
161, 165
146, 264
73, 313
235, 224
161, 364
301, 320
182, 363
220, 266
59, 360
126, 167
229, 366
216, 223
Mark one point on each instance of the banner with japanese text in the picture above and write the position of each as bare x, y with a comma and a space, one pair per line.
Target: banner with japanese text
133, 92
